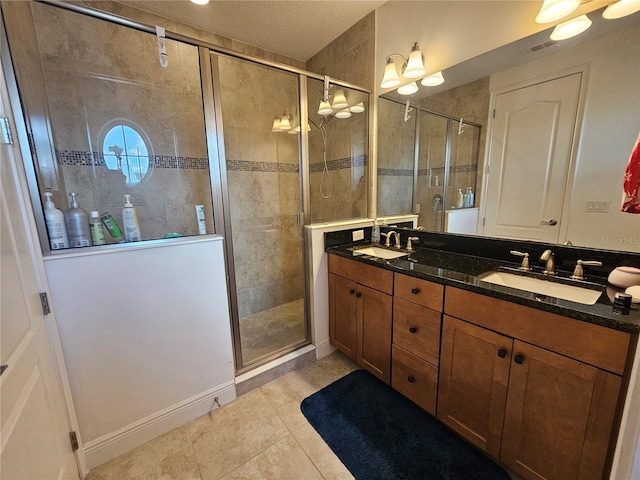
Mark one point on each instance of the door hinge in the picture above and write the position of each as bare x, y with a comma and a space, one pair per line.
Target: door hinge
74, 441
44, 300
5, 126
483, 219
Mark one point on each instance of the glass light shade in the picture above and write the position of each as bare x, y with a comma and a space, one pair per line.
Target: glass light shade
339, 100
276, 125
285, 123
293, 131
415, 65
390, 78
343, 113
357, 108
569, 29
621, 8
200, 2
433, 80
325, 109
408, 89
553, 10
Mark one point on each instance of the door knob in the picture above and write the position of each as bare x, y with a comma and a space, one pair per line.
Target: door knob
551, 222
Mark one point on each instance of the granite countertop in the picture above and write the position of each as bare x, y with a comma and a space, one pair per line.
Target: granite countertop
462, 271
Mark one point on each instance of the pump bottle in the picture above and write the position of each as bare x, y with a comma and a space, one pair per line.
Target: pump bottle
130, 221
77, 222
97, 232
459, 199
55, 224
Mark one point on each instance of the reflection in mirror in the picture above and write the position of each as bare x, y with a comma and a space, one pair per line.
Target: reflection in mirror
607, 57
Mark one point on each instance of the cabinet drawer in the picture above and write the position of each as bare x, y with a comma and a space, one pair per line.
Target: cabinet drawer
419, 291
599, 346
417, 330
374, 277
415, 379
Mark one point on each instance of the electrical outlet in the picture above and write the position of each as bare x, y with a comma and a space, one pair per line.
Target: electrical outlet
357, 235
597, 206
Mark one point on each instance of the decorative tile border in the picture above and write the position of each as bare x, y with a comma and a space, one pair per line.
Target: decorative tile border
250, 166
340, 164
88, 159
394, 172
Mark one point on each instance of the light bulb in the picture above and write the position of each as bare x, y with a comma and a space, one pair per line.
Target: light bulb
415, 64
569, 29
433, 80
390, 78
408, 89
339, 100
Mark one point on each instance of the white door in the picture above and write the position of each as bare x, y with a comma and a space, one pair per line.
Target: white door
34, 432
531, 146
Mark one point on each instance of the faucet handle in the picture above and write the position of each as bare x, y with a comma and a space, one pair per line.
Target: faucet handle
578, 273
525, 259
386, 235
409, 246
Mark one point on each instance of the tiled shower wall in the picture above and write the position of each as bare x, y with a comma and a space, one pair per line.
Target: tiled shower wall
96, 73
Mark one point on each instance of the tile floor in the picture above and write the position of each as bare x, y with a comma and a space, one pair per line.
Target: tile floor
261, 435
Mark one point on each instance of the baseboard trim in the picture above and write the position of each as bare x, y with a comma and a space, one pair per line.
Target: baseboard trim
323, 349
121, 441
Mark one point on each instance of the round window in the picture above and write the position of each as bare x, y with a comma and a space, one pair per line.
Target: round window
125, 149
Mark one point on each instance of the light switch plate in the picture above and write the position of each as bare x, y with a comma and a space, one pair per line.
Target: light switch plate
357, 235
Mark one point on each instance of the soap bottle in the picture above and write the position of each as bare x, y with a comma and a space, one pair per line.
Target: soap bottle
459, 199
471, 197
97, 232
55, 224
375, 232
77, 222
130, 221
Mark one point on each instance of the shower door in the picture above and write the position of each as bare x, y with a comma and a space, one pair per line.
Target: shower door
258, 115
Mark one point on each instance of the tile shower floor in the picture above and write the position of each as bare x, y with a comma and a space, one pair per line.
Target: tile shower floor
261, 435
265, 332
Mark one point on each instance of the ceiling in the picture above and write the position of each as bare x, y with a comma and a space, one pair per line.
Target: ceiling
297, 29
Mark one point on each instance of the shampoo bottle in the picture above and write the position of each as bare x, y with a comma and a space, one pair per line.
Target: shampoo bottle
77, 222
471, 197
130, 221
97, 232
55, 224
375, 232
459, 199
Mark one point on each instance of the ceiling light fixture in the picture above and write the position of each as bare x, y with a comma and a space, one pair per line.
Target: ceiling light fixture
412, 67
408, 89
433, 80
553, 10
621, 8
571, 28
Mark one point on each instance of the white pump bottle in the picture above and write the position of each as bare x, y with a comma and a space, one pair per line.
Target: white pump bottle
55, 224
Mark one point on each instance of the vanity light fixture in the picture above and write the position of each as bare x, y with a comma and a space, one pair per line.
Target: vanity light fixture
621, 8
200, 2
412, 67
390, 79
325, 108
433, 80
415, 63
408, 89
343, 113
570, 28
357, 108
339, 100
276, 125
285, 122
553, 10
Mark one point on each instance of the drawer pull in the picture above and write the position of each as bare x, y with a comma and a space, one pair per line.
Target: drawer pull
413, 329
415, 291
411, 379
352, 291
502, 353
519, 359
358, 295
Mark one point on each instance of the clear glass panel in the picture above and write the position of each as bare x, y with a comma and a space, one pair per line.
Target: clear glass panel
263, 180
463, 169
396, 158
338, 155
431, 169
123, 124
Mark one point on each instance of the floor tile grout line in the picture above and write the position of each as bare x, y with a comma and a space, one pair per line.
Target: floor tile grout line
193, 449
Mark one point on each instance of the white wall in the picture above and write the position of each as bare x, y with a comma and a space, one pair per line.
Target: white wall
610, 126
146, 338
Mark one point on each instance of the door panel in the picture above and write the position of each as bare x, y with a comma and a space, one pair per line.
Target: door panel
374, 331
531, 147
342, 314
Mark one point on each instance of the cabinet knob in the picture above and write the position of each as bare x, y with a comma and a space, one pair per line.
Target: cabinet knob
358, 295
352, 291
519, 359
415, 291
502, 353
413, 329
411, 379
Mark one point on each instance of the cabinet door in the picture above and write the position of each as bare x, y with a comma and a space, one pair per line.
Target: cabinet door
374, 331
342, 314
559, 416
474, 371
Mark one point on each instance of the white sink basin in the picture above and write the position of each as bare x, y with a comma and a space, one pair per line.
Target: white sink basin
572, 293
379, 252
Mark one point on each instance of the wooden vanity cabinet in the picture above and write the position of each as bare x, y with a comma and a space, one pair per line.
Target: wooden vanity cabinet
417, 314
535, 390
360, 313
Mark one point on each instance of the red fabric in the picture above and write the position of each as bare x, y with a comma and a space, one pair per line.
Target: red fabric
631, 184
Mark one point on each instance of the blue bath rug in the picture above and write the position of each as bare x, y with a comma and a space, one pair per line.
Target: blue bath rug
379, 434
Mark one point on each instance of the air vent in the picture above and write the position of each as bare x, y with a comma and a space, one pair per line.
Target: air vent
535, 48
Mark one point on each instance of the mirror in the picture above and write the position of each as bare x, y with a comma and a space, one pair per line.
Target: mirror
607, 125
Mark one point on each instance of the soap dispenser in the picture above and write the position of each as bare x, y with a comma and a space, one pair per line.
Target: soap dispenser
130, 221
459, 199
55, 224
77, 221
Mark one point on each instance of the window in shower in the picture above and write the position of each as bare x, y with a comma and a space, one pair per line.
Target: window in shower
120, 123
338, 155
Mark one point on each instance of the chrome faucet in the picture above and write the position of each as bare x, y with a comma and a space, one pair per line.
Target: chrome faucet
409, 240
388, 237
550, 266
397, 238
